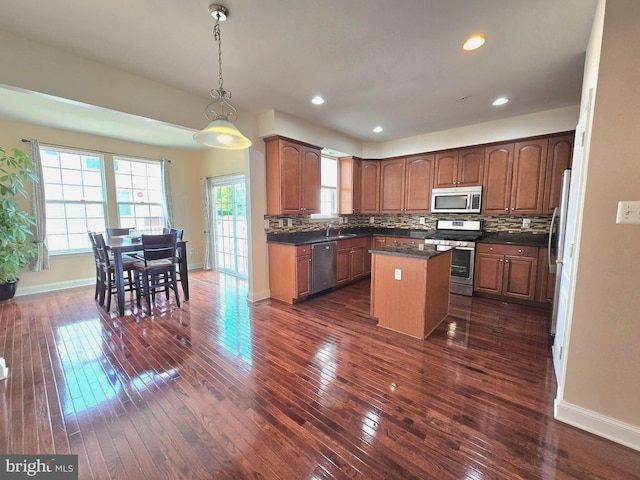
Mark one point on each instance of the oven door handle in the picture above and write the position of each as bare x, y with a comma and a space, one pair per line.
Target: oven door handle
465, 248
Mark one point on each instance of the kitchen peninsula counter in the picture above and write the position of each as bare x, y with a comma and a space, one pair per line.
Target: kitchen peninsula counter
410, 288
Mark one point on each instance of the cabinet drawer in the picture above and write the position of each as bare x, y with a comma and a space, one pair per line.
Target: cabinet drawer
515, 250
303, 250
351, 243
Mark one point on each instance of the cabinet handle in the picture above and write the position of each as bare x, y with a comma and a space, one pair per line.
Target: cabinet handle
506, 261
519, 251
501, 260
309, 260
491, 249
506, 209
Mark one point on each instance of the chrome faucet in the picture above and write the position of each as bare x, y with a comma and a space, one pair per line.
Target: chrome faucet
329, 226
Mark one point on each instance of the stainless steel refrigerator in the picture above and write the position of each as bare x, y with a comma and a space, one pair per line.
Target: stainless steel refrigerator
557, 243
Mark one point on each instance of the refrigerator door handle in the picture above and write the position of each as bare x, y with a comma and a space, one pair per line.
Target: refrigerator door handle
552, 267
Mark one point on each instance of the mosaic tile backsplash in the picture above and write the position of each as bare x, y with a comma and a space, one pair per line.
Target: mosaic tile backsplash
491, 223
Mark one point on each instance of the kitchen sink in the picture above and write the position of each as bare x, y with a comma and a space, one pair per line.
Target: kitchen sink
341, 236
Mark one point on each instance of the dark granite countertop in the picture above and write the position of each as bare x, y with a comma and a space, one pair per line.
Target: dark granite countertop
303, 238
524, 239
423, 252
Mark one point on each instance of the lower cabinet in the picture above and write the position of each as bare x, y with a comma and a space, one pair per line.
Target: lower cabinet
351, 261
289, 271
545, 288
507, 270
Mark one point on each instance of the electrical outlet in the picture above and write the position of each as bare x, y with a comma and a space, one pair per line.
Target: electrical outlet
266, 224
372, 219
422, 220
526, 223
289, 222
397, 274
345, 219
280, 222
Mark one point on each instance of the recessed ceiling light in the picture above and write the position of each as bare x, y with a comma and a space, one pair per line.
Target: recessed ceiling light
500, 101
317, 100
377, 129
474, 42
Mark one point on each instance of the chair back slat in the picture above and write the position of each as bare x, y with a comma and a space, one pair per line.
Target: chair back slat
117, 232
177, 231
101, 248
159, 247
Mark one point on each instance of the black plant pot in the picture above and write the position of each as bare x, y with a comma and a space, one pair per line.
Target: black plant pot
8, 290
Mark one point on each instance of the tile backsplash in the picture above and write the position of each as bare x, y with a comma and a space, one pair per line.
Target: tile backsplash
491, 223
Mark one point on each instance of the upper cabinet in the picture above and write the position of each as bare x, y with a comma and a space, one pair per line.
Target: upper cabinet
370, 186
559, 157
293, 177
514, 177
350, 185
459, 168
405, 184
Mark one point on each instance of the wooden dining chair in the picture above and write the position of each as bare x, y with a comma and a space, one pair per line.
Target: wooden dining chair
117, 232
179, 232
157, 270
99, 292
108, 276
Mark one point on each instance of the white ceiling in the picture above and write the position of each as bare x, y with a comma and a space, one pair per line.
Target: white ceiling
396, 64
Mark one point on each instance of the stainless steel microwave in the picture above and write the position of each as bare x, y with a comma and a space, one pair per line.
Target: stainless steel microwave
456, 200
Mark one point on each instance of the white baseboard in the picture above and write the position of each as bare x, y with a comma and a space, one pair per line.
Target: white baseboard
601, 425
254, 297
52, 287
81, 282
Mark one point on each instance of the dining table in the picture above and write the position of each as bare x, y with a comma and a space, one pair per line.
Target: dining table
120, 245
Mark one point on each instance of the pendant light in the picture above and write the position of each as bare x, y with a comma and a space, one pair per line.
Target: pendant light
221, 132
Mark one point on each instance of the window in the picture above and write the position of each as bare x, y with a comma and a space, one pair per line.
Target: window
139, 194
328, 188
75, 198
79, 199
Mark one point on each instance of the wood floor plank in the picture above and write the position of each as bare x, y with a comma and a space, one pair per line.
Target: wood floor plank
223, 389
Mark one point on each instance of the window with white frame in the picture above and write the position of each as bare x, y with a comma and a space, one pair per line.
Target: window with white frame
328, 187
139, 194
75, 197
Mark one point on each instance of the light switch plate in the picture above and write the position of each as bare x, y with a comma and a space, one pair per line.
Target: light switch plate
372, 219
289, 222
422, 220
397, 274
280, 222
526, 223
266, 223
628, 212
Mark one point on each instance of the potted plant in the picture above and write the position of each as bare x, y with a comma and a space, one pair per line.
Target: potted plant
16, 244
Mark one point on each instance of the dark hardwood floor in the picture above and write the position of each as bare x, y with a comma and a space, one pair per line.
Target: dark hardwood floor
222, 389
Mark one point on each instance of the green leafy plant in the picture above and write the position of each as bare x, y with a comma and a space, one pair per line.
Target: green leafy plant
16, 243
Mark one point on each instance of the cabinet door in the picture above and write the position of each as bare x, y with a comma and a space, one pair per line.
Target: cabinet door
470, 167
489, 270
446, 169
370, 186
350, 185
368, 245
418, 184
496, 192
343, 265
392, 185
310, 180
380, 242
520, 277
529, 168
290, 177
546, 281
357, 261
303, 275
559, 156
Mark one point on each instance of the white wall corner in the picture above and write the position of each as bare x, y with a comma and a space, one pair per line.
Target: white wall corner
601, 425
255, 297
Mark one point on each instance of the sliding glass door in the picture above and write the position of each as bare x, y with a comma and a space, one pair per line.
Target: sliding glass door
230, 219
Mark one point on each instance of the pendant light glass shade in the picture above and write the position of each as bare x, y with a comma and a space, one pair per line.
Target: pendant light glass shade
222, 134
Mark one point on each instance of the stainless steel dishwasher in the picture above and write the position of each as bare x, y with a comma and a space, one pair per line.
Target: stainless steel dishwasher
323, 266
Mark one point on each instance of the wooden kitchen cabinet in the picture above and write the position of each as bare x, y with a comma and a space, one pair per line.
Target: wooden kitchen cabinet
351, 259
459, 168
529, 169
289, 271
293, 177
546, 283
506, 270
559, 158
370, 202
514, 178
405, 184
350, 186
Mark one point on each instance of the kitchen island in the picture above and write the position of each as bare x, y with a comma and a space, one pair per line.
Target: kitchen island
410, 288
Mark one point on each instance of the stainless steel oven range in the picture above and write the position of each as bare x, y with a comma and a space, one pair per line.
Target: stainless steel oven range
461, 235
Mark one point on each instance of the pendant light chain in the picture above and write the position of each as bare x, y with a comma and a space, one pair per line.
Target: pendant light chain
217, 36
